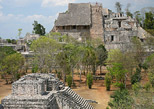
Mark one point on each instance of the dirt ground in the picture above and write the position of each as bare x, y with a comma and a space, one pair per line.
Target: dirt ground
98, 92
5, 89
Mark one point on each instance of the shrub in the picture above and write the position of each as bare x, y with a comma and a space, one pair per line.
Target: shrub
89, 80
136, 87
120, 85
136, 77
108, 81
69, 80
34, 68
151, 79
121, 100
147, 86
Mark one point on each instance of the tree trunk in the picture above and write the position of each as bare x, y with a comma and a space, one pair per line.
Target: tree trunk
100, 69
72, 76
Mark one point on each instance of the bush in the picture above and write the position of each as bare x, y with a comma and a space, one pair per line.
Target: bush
108, 81
147, 86
121, 100
151, 79
136, 87
69, 80
34, 68
136, 77
89, 80
120, 85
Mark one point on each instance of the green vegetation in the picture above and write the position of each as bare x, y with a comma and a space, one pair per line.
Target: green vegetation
108, 81
89, 80
69, 80
38, 28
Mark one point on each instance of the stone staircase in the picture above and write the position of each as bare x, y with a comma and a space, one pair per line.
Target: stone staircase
78, 100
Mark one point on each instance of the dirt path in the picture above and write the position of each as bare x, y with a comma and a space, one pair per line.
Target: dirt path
4, 89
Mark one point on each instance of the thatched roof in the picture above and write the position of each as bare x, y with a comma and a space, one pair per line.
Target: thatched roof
77, 14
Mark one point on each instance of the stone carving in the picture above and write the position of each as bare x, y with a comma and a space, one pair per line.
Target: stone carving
43, 91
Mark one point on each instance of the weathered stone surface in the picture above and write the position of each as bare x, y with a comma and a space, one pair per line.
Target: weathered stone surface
43, 91
115, 29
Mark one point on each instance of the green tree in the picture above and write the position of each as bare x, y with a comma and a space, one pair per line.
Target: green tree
38, 28
101, 54
11, 65
149, 20
108, 81
45, 50
89, 80
19, 32
69, 80
118, 72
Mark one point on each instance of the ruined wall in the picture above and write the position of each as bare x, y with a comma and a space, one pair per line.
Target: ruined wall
96, 29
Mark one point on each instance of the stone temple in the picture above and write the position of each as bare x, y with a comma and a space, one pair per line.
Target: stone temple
86, 19
43, 91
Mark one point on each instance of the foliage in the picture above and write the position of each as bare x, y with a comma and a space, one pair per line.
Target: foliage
147, 86
136, 87
149, 20
101, 54
19, 32
11, 64
151, 31
34, 68
151, 79
121, 100
108, 81
89, 80
45, 50
69, 80
38, 28
119, 73
136, 77
138, 50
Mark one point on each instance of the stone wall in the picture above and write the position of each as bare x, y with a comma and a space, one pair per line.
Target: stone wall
96, 29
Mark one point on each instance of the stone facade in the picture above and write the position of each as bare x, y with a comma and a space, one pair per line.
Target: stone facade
115, 29
43, 91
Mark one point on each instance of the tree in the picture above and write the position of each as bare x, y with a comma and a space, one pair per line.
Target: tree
138, 17
89, 80
118, 72
11, 65
128, 13
19, 32
118, 7
45, 50
108, 81
149, 20
101, 54
38, 28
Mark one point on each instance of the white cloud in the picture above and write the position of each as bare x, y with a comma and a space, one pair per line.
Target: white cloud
46, 3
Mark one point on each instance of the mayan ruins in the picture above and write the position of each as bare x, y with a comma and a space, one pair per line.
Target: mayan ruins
85, 19
43, 91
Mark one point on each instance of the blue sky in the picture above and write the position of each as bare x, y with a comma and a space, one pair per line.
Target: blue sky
15, 14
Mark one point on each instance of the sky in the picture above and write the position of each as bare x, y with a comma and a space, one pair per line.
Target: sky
15, 14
